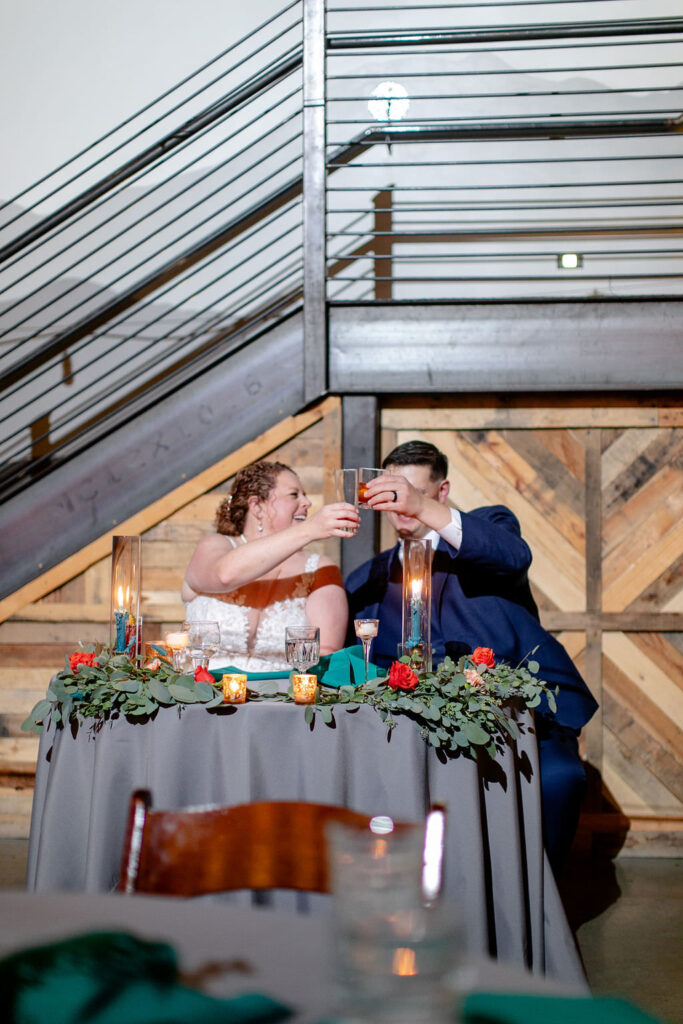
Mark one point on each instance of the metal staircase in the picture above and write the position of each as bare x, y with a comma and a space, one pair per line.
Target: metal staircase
328, 208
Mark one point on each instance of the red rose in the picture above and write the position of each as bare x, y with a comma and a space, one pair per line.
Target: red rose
202, 675
483, 656
402, 677
81, 658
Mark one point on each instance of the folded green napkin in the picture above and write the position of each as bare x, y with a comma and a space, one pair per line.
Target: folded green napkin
501, 1008
345, 668
115, 978
218, 673
341, 668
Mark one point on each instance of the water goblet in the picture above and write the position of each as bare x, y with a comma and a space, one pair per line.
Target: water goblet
302, 647
366, 631
204, 638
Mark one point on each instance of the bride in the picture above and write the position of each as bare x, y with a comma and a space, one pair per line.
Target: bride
253, 577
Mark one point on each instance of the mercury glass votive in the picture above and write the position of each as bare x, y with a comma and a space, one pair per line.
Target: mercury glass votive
304, 688
234, 688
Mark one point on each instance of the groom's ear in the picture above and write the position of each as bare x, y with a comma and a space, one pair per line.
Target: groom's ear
444, 491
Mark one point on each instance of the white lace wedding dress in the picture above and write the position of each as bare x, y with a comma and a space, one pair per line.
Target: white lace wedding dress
253, 619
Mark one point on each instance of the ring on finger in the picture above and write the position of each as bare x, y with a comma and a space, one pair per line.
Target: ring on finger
395, 496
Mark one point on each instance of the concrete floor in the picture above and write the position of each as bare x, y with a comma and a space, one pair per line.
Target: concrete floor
627, 913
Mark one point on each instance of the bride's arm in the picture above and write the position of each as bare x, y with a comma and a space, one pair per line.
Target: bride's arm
327, 607
216, 567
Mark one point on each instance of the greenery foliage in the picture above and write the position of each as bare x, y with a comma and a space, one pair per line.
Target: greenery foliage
458, 708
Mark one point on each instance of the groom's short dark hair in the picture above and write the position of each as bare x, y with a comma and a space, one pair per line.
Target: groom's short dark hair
419, 453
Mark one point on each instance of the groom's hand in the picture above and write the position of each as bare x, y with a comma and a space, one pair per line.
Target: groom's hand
393, 493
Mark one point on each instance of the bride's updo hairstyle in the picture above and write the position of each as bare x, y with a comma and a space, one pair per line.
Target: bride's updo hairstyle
256, 481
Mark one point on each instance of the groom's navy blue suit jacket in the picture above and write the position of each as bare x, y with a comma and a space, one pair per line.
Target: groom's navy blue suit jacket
480, 598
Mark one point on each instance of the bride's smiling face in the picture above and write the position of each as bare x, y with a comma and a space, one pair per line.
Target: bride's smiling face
287, 502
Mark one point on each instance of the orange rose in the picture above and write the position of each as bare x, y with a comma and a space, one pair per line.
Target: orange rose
483, 656
402, 677
81, 658
202, 675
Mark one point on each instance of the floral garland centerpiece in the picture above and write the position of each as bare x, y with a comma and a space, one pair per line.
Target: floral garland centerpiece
461, 707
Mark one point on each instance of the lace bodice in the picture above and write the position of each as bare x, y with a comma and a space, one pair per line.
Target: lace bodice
253, 619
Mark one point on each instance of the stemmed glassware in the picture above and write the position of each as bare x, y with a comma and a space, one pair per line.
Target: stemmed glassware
366, 631
203, 640
302, 647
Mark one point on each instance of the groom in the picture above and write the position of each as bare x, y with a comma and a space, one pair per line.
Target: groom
480, 598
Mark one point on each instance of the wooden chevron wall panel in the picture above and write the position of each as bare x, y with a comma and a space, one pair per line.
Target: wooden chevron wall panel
599, 494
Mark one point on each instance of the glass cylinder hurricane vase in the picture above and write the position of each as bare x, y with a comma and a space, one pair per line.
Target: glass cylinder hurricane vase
126, 586
416, 625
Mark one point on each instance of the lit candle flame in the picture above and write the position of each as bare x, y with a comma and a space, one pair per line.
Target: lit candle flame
403, 962
120, 608
417, 589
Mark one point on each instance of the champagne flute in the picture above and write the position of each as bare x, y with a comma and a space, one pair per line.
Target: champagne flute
302, 647
203, 640
366, 631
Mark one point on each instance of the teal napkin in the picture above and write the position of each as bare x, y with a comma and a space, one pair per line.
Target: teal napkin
341, 668
218, 673
345, 668
500, 1008
115, 978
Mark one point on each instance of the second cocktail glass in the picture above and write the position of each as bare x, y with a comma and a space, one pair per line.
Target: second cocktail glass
366, 631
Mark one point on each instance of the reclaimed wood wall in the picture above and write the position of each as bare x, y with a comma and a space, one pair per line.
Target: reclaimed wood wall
597, 483
599, 494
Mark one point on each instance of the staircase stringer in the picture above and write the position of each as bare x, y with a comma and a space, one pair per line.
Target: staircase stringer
158, 510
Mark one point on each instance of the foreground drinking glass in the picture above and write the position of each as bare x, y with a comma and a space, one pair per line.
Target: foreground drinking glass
366, 631
346, 489
203, 640
302, 647
393, 955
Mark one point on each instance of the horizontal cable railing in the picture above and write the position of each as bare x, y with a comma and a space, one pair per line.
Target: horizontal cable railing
531, 150
505, 150
162, 248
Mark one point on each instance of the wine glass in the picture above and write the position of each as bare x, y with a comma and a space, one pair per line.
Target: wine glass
302, 647
203, 640
366, 631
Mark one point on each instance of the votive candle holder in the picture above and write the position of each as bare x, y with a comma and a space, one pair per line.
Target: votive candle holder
234, 688
304, 688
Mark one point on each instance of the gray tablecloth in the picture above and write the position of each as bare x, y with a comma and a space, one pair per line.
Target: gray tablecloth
496, 874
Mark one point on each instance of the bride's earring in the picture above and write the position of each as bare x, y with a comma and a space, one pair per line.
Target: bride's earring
260, 526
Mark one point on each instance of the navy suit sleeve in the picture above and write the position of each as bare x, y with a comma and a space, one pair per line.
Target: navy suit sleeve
492, 539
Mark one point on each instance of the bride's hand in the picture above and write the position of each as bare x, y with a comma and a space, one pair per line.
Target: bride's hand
337, 520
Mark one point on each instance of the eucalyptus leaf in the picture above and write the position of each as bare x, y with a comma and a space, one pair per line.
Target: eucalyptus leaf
182, 694
159, 692
126, 685
475, 734
309, 714
327, 716
204, 692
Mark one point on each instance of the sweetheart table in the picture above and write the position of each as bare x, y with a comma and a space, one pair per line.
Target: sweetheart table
497, 877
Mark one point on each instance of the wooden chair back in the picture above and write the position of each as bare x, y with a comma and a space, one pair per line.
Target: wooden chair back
266, 845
